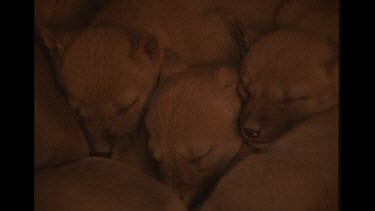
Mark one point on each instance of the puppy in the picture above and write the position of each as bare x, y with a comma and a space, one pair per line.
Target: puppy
192, 127
287, 76
99, 184
299, 173
107, 74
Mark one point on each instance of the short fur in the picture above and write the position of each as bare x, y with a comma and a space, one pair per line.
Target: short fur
198, 35
99, 184
286, 76
58, 135
107, 73
299, 173
192, 126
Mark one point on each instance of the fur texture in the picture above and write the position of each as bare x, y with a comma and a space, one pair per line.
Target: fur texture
198, 35
192, 126
300, 172
286, 76
99, 184
107, 74
58, 136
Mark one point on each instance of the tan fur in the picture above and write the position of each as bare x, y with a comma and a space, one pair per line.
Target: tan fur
136, 155
299, 173
58, 136
101, 184
107, 73
192, 127
286, 76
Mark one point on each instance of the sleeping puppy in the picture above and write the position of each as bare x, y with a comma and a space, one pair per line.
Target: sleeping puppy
99, 184
299, 173
286, 76
107, 74
192, 127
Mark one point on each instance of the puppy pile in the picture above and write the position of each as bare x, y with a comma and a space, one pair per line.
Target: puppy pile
231, 104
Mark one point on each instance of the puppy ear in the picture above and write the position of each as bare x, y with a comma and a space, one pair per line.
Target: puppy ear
48, 39
227, 77
55, 42
246, 36
148, 45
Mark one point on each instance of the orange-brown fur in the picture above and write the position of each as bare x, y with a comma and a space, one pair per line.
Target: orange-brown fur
58, 136
199, 35
99, 184
286, 76
192, 127
299, 173
108, 73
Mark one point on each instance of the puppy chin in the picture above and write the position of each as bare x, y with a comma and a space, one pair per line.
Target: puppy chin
189, 197
100, 148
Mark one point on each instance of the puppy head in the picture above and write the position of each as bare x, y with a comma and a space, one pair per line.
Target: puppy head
108, 74
286, 76
192, 129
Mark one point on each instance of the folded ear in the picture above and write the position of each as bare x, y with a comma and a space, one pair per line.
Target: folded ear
148, 45
246, 36
55, 42
49, 39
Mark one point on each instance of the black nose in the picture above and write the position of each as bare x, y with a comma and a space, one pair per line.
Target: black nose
251, 133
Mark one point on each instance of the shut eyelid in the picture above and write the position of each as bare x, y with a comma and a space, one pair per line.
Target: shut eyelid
120, 108
197, 158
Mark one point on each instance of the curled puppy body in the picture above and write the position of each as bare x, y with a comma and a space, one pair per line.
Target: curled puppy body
287, 76
299, 173
107, 74
67, 14
319, 17
99, 184
140, 15
193, 131
199, 37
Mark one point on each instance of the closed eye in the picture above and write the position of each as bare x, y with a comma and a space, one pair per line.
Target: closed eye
196, 160
124, 109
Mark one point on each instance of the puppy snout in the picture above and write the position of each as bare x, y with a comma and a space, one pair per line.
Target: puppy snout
251, 133
251, 129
